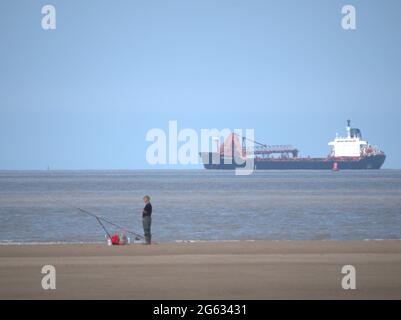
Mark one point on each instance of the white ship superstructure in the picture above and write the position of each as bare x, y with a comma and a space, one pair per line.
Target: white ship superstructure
351, 146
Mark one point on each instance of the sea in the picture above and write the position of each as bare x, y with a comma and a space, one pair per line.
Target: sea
200, 205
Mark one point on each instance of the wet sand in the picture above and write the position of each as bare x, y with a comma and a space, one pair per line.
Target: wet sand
204, 270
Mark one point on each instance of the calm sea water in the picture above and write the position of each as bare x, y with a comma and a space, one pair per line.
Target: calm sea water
202, 205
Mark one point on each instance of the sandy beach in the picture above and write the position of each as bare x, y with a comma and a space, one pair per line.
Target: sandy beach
204, 270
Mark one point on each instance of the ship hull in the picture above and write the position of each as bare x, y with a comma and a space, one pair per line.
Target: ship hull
361, 163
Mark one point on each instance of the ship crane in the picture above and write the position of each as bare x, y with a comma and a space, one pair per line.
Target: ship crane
261, 150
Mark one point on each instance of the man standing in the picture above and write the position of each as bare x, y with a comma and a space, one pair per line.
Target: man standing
147, 219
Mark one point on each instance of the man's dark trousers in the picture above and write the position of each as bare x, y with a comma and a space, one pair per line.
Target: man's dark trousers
147, 221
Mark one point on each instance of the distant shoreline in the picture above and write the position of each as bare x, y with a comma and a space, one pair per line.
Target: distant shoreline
181, 169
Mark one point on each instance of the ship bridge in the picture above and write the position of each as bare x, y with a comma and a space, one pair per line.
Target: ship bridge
350, 146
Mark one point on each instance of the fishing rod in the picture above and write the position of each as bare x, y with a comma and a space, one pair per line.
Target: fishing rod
100, 219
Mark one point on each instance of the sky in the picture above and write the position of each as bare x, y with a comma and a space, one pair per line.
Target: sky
84, 96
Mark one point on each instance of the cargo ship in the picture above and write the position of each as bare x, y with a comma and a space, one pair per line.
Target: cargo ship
350, 152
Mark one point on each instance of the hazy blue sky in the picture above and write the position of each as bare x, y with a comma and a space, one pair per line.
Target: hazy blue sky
84, 95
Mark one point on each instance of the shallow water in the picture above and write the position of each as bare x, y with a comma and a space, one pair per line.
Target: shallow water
202, 205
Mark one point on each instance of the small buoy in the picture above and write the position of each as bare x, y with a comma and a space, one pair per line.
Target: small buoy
335, 166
